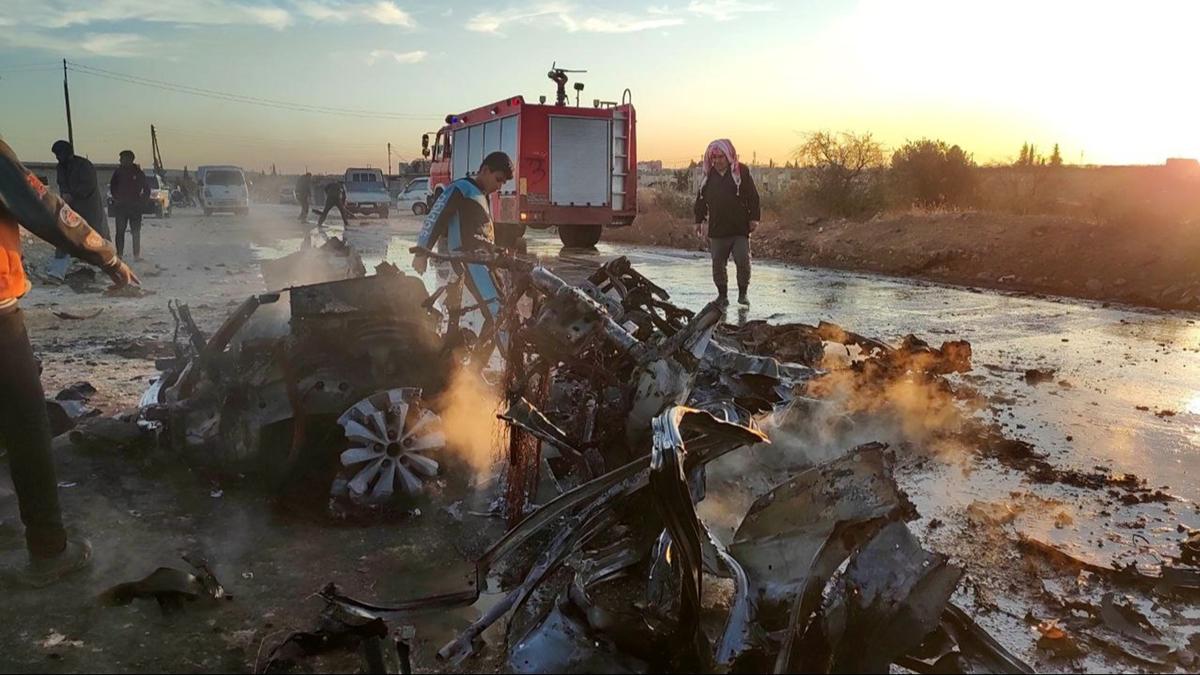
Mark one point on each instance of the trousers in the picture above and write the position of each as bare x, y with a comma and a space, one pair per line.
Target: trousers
25, 431
722, 248
131, 218
332, 204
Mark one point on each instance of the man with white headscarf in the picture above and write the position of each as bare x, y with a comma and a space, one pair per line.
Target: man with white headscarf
729, 200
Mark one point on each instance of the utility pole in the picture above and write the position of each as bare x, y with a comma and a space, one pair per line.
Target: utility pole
67, 100
389, 159
156, 155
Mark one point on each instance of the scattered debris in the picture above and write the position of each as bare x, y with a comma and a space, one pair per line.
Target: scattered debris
79, 317
128, 291
80, 391
56, 639
1036, 376
170, 587
83, 279
109, 434
1057, 641
139, 348
333, 260
337, 631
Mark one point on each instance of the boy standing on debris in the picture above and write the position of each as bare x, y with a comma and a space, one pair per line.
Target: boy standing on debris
729, 200
24, 425
461, 222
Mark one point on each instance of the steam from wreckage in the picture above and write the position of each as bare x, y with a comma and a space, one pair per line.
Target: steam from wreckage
616, 406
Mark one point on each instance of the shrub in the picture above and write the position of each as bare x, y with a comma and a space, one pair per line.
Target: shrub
929, 173
674, 203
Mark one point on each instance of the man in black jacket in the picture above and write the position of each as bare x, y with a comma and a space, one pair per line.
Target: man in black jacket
729, 200
130, 192
335, 196
78, 187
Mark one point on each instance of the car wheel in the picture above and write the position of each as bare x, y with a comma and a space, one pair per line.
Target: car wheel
419, 209
580, 236
383, 214
207, 211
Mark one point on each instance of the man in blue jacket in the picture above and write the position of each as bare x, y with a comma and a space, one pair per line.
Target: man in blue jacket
461, 222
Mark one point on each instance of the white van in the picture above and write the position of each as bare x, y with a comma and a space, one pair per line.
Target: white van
365, 176
223, 188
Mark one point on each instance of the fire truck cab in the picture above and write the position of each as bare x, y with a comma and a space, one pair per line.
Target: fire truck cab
575, 167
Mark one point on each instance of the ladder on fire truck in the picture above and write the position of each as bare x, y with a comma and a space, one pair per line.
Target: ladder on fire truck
620, 151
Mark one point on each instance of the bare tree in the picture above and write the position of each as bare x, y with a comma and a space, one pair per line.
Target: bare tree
843, 170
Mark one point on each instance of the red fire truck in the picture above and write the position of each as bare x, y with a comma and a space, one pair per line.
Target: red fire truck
576, 167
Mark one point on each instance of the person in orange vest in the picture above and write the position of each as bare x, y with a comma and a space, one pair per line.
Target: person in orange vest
24, 424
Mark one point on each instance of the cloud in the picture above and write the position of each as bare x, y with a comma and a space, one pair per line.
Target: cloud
388, 14
494, 22
271, 16
561, 15
383, 12
621, 24
277, 14
399, 57
724, 10
68, 13
115, 44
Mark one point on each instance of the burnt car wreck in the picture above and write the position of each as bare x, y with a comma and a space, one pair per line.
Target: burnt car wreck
615, 406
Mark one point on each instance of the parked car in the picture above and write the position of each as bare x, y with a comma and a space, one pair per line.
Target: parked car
160, 196
414, 197
287, 195
223, 188
366, 198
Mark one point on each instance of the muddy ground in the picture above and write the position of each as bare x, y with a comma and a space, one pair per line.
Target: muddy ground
1152, 264
142, 512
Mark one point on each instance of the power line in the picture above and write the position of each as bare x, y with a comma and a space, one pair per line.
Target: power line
241, 98
30, 67
262, 140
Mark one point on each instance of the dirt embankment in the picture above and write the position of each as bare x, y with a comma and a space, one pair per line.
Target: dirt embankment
1155, 265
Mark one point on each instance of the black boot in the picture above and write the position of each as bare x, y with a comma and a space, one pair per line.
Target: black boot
742, 298
723, 296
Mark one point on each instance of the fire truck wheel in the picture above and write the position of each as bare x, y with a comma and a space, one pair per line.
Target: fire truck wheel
509, 235
580, 236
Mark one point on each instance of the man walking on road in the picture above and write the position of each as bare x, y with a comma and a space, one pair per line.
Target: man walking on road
130, 191
335, 195
79, 189
303, 194
24, 424
461, 222
729, 200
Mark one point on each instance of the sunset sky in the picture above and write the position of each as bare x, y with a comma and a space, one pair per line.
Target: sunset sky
1113, 83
